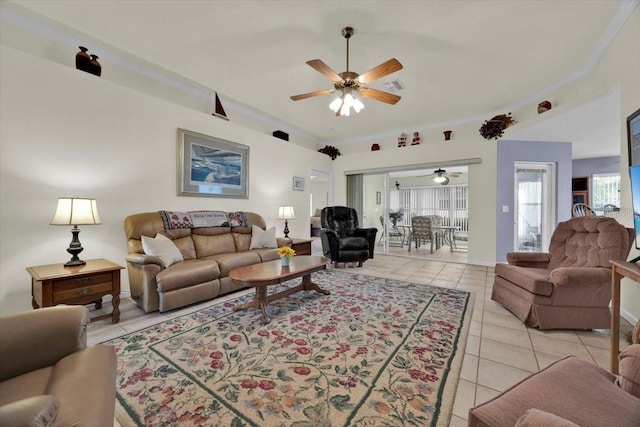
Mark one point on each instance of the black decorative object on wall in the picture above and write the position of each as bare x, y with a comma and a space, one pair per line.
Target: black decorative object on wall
83, 59
94, 66
330, 151
494, 128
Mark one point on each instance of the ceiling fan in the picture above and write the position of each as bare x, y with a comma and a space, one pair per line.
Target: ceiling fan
441, 176
350, 83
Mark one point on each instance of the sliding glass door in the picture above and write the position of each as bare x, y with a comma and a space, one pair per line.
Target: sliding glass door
534, 206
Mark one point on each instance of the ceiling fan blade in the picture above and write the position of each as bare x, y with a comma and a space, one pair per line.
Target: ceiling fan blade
312, 94
386, 68
379, 95
324, 69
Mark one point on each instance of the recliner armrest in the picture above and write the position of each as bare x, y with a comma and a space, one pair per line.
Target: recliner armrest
365, 232
32, 411
36, 339
580, 276
142, 259
529, 259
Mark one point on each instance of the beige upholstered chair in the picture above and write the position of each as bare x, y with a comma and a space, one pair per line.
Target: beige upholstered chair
568, 287
48, 375
396, 237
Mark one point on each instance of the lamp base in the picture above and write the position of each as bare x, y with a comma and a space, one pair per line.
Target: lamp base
286, 229
75, 247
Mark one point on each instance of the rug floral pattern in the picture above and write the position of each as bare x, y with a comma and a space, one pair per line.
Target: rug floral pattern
376, 352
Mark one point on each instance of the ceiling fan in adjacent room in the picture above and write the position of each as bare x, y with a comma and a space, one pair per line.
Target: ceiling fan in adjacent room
349, 84
441, 176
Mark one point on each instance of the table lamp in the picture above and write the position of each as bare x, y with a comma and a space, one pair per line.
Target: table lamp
286, 213
75, 211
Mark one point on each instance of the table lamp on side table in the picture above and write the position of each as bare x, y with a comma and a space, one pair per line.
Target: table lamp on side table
286, 213
75, 211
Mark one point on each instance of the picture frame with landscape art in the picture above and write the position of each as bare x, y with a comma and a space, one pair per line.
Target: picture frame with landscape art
212, 167
633, 138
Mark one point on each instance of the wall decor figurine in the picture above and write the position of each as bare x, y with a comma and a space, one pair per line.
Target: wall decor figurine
82, 59
416, 139
330, 151
402, 140
544, 106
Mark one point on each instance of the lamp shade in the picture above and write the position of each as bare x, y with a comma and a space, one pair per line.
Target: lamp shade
286, 212
76, 211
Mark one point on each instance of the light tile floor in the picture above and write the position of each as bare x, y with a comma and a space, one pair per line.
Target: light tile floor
500, 350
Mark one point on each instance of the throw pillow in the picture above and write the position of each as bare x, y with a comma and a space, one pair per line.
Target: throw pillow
261, 239
162, 247
237, 219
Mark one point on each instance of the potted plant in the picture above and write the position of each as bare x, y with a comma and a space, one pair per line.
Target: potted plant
396, 216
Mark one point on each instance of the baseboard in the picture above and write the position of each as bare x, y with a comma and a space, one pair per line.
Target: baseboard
628, 316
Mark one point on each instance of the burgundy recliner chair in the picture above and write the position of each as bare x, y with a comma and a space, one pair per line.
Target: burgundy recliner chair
568, 287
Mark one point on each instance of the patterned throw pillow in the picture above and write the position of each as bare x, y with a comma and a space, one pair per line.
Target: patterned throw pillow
172, 220
237, 219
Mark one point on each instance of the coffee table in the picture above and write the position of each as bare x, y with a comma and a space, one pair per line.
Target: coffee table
260, 276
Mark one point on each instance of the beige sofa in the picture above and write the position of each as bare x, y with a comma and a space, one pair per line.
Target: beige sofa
48, 375
209, 253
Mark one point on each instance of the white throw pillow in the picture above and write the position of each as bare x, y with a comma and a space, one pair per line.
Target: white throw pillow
261, 239
162, 247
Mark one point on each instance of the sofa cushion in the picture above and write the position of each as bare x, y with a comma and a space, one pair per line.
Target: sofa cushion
263, 239
534, 280
162, 247
228, 262
187, 273
23, 386
207, 245
571, 388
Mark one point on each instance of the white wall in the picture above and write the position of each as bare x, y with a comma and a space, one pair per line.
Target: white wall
64, 132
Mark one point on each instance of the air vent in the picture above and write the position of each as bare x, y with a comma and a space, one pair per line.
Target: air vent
394, 86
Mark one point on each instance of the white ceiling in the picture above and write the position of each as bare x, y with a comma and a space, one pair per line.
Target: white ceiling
462, 59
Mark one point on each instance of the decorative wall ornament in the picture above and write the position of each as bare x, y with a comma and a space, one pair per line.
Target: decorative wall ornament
94, 66
402, 140
82, 59
330, 151
494, 128
375, 147
447, 135
416, 139
544, 106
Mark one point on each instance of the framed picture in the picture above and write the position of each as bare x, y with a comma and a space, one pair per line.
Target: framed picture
378, 197
209, 166
633, 138
298, 183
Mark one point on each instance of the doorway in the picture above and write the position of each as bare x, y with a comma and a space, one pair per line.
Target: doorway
534, 205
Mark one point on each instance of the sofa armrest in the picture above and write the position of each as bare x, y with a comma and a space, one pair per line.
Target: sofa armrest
142, 259
283, 241
40, 411
370, 235
529, 259
537, 418
629, 378
39, 338
581, 276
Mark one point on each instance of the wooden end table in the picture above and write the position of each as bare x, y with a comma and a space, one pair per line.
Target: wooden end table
260, 276
79, 285
301, 246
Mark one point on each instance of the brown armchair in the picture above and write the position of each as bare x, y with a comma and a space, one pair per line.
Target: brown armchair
48, 375
570, 286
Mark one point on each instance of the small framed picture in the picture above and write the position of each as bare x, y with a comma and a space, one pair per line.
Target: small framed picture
378, 197
298, 183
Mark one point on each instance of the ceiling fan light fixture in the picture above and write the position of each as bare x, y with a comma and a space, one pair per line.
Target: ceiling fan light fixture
335, 104
439, 179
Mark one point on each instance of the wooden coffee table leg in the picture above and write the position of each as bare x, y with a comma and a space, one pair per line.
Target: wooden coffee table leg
261, 294
308, 285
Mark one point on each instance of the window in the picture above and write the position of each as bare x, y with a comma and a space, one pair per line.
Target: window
606, 190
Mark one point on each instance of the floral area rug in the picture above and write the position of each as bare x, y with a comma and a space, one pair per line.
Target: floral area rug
376, 352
